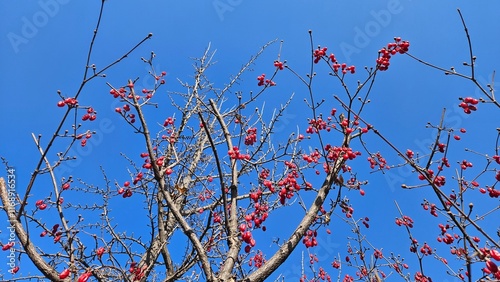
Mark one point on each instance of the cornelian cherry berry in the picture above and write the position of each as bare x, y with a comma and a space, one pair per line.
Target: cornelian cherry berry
64, 274
278, 64
386, 53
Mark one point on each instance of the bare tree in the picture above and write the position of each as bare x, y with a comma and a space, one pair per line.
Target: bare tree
214, 170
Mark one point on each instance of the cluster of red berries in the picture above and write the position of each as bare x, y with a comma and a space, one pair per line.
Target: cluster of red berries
258, 216
160, 77
492, 192
444, 163
491, 268
385, 54
348, 210
217, 217
447, 238
55, 232
90, 115
468, 104
236, 155
410, 154
269, 185
169, 121
345, 153
465, 164
288, 186
126, 108
148, 93
441, 147
312, 158
84, 137
204, 195
278, 64
138, 177
429, 173
432, 207
263, 175
377, 159
70, 102
41, 205
319, 53
404, 221
348, 130
118, 93
363, 272
344, 68
125, 192
310, 239
419, 277
426, 250
365, 222
258, 260
138, 272
315, 125
251, 137
397, 268
336, 65
439, 181
263, 81
496, 158
246, 236
348, 278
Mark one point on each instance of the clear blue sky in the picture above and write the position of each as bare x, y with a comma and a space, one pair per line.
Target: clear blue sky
44, 43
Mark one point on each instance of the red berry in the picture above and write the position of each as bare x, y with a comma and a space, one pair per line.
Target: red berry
495, 254
64, 274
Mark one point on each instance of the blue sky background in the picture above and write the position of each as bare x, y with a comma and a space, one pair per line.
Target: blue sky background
52, 55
